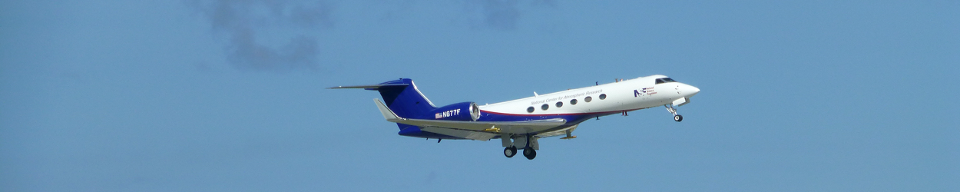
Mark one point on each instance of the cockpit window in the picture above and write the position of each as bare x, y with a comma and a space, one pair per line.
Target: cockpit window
664, 80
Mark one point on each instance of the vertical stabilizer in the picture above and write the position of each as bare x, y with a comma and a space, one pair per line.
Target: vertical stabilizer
405, 100
402, 97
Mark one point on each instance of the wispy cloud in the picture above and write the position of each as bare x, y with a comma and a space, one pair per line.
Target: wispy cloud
500, 14
495, 14
242, 22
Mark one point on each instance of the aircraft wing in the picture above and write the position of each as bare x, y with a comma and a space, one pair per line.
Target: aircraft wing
532, 126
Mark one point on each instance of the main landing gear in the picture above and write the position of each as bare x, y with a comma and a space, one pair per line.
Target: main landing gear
528, 152
510, 144
676, 117
510, 151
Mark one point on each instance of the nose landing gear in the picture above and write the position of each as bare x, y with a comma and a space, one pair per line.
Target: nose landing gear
676, 117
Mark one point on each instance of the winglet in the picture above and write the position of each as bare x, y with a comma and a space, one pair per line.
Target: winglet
387, 113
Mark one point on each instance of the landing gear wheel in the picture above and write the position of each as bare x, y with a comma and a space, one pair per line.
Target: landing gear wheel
510, 151
676, 117
529, 153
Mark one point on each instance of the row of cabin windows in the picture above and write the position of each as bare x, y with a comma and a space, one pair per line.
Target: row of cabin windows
560, 103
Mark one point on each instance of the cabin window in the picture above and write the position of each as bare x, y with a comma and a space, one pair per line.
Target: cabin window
559, 104
544, 107
529, 109
573, 101
588, 99
603, 96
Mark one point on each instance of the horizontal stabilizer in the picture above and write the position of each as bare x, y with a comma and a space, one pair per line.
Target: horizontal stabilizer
367, 87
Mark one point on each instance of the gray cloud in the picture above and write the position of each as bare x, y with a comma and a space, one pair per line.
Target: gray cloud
500, 14
495, 14
240, 22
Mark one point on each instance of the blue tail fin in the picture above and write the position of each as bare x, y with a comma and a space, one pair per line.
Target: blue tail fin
404, 99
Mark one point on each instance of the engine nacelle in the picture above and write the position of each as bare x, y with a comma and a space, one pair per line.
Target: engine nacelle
465, 111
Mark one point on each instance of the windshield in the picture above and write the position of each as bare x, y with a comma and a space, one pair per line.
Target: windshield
664, 80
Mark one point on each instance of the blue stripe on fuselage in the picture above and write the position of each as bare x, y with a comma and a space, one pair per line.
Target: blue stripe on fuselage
572, 119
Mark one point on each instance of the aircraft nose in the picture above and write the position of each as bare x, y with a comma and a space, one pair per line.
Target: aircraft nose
690, 90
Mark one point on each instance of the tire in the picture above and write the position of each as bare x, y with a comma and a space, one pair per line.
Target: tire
529, 153
510, 152
678, 118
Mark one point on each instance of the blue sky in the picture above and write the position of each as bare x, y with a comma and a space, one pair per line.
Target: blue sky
229, 95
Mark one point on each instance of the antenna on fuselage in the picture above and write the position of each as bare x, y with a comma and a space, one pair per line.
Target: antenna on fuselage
535, 94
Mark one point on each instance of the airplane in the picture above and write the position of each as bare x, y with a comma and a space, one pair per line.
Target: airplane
521, 122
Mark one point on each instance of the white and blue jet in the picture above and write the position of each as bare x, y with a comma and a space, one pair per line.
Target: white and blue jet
520, 123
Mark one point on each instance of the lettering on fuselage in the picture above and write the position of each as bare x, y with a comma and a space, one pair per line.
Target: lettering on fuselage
445, 114
643, 92
565, 97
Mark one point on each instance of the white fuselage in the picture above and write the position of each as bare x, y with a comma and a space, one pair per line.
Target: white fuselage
625, 95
